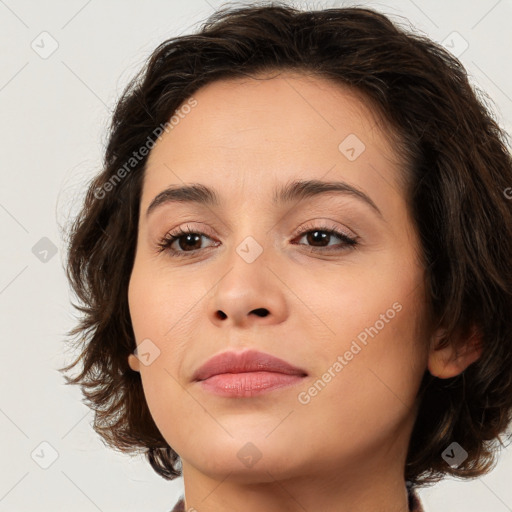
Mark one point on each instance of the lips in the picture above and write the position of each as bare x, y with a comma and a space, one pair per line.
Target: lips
245, 362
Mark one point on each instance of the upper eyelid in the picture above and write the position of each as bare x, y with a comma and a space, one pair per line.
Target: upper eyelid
319, 224
316, 217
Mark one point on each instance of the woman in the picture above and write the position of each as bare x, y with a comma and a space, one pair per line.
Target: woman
294, 266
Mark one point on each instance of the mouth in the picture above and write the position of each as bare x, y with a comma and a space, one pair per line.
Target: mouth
246, 374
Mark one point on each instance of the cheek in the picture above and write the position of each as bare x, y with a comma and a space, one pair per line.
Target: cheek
368, 394
159, 303
372, 358
160, 321
152, 309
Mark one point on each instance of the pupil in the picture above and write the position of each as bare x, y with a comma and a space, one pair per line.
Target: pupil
318, 236
190, 240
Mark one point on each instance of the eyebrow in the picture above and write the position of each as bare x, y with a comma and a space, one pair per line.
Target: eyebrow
294, 191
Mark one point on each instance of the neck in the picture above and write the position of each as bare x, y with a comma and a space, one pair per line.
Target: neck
327, 489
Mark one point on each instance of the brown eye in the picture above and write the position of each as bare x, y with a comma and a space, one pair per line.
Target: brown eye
184, 242
188, 241
319, 239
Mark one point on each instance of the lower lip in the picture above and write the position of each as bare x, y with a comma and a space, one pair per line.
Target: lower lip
245, 385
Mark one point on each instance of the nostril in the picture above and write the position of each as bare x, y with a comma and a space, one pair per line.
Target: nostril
261, 311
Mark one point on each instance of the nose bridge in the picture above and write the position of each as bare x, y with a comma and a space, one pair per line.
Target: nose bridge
251, 248
252, 230
259, 232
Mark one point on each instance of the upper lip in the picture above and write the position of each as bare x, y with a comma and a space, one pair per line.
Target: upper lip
248, 361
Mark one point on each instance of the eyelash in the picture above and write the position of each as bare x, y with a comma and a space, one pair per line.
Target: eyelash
165, 243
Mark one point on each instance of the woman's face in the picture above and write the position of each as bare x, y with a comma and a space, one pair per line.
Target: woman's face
263, 273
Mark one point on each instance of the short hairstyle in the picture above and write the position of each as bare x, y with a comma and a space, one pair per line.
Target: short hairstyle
457, 172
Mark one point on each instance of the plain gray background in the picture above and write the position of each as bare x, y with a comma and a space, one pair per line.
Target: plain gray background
54, 113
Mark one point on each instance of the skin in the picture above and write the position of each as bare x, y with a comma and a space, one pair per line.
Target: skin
344, 450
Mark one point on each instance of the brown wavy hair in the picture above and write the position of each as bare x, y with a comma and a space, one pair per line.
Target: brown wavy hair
458, 172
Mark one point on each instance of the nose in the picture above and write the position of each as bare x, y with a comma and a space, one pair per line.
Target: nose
250, 292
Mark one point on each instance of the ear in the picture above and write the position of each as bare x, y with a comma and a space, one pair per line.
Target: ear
448, 361
134, 362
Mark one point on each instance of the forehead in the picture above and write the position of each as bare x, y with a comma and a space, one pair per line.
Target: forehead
245, 134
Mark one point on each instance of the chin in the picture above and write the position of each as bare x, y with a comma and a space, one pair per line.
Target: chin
245, 459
